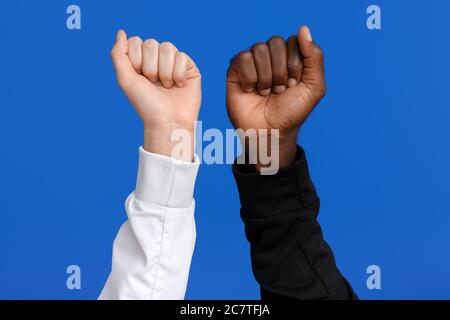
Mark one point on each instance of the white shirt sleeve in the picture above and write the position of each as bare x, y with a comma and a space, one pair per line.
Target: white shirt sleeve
153, 249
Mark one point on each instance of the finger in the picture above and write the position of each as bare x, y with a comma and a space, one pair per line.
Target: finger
182, 64
261, 56
278, 57
313, 70
135, 53
119, 54
150, 54
232, 72
294, 64
246, 69
167, 52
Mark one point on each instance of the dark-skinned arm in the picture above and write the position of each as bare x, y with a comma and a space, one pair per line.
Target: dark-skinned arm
290, 258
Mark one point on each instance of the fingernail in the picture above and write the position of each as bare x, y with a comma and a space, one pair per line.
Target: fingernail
250, 90
308, 34
265, 92
279, 89
292, 82
167, 84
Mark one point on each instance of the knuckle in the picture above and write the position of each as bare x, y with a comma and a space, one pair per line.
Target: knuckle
181, 56
184, 55
276, 41
167, 47
244, 60
150, 43
259, 47
135, 40
245, 56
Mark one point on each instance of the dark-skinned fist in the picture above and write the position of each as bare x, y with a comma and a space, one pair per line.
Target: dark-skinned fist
275, 85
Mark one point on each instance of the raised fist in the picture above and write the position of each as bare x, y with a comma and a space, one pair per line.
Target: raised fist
275, 85
164, 86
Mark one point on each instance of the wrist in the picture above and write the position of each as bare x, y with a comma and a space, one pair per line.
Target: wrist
288, 149
170, 140
286, 153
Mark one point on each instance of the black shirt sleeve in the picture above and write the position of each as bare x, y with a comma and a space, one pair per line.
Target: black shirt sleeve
290, 258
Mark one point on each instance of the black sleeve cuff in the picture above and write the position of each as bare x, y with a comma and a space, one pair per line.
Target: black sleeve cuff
290, 189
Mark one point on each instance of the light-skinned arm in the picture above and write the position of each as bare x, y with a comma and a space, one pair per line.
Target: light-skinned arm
153, 249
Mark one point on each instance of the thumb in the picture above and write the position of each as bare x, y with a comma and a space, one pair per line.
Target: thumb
122, 64
313, 64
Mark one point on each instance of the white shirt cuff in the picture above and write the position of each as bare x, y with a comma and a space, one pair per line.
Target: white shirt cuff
165, 181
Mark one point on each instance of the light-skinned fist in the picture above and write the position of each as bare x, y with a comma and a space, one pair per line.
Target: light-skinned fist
164, 86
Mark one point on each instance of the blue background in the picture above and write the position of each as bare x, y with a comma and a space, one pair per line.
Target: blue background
378, 144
